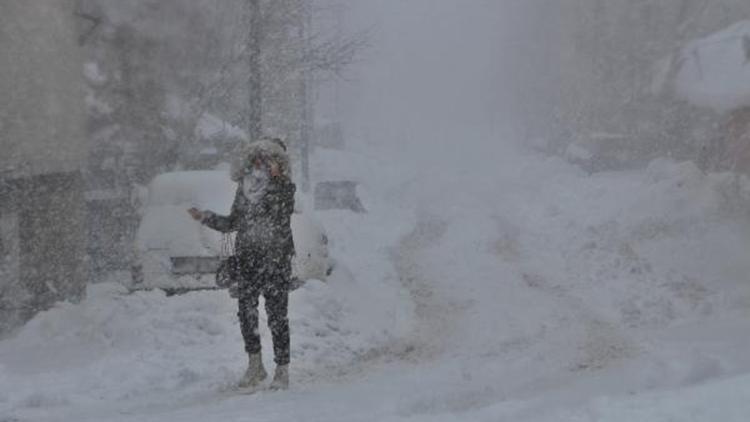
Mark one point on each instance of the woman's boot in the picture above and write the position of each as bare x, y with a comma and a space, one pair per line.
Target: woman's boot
255, 373
280, 378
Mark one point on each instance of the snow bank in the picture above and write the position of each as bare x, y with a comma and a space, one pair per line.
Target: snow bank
145, 349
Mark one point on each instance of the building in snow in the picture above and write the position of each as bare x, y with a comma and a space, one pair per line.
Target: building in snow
42, 240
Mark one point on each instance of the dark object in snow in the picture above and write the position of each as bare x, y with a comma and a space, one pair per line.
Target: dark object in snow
43, 244
339, 195
233, 290
177, 291
188, 265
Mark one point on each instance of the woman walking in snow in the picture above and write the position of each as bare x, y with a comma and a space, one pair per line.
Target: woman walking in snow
261, 216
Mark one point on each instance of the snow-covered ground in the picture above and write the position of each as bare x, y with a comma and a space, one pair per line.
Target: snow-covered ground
485, 283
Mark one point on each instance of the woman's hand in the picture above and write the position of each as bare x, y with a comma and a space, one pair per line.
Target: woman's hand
196, 214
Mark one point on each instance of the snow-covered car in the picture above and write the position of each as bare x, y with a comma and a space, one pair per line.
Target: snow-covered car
175, 253
713, 72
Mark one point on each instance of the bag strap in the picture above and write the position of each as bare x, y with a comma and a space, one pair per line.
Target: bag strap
227, 246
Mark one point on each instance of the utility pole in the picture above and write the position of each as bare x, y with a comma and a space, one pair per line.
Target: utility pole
255, 73
306, 97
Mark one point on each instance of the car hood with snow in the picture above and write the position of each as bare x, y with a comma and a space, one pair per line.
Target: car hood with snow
168, 238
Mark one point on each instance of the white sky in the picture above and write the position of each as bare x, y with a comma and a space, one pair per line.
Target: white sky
434, 70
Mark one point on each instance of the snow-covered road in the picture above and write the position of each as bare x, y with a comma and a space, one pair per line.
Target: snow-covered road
522, 290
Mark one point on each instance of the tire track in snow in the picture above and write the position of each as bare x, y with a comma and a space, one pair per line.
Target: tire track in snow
439, 316
436, 314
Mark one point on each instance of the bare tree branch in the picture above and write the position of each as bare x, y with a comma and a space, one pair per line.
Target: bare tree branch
335, 55
95, 22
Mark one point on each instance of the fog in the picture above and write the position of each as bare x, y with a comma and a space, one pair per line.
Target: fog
521, 210
434, 71
456, 76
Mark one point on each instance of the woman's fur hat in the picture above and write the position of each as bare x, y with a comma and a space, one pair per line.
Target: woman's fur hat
264, 148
